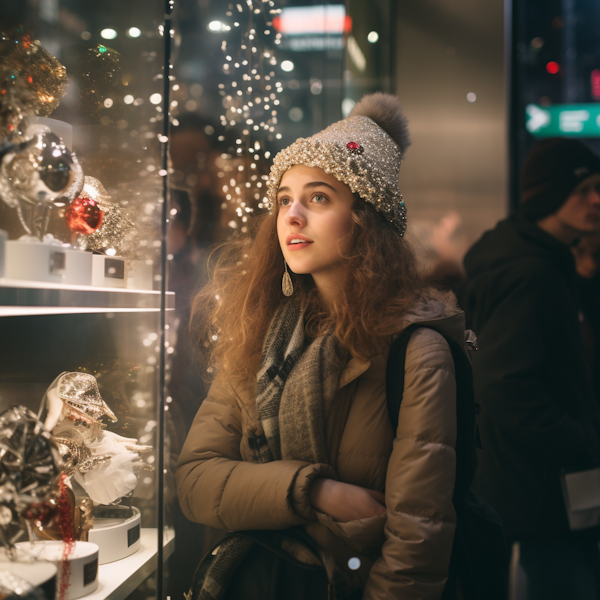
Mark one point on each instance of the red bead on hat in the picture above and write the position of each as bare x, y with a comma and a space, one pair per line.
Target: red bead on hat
355, 147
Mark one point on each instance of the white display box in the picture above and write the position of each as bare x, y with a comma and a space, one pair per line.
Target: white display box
83, 579
108, 271
3, 240
35, 261
79, 267
115, 538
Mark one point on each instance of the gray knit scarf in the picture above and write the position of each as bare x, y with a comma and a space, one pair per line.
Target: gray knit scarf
296, 385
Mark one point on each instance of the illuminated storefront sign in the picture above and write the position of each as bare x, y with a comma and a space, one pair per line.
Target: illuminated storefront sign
564, 120
310, 28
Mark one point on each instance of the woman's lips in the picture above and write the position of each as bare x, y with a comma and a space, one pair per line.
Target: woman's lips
304, 243
299, 246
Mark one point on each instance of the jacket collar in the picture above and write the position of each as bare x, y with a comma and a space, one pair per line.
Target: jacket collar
354, 369
560, 253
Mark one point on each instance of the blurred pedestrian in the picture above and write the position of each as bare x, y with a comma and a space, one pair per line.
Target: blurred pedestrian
587, 263
532, 378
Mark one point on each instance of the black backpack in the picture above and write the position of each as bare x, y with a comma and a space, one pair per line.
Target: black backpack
479, 559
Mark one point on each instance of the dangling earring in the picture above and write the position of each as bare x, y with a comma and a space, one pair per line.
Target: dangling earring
287, 287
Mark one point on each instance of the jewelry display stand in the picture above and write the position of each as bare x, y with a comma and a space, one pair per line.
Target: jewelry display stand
83, 579
116, 538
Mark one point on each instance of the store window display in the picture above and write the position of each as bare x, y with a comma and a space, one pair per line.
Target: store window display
84, 312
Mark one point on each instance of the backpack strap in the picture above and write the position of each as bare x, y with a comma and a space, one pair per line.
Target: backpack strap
394, 375
466, 456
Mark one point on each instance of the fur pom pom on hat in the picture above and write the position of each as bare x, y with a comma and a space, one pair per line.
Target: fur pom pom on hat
386, 111
364, 151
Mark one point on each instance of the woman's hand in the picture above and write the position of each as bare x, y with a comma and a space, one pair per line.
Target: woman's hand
345, 502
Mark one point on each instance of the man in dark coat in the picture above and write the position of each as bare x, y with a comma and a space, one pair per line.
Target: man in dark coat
531, 373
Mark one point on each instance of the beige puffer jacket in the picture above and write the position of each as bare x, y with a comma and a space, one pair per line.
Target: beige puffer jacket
404, 553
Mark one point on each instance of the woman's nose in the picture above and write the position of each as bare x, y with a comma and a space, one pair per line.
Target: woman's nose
295, 215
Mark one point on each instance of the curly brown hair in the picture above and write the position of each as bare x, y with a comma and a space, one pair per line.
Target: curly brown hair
232, 313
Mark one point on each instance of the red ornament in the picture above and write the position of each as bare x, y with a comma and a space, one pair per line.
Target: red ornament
84, 215
355, 147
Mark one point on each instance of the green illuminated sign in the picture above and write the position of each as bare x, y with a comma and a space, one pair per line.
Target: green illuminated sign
563, 120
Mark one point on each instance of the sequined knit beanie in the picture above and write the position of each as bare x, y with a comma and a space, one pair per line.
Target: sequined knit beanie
552, 170
364, 151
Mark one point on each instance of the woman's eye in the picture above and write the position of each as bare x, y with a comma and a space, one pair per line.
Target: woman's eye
284, 201
319, 198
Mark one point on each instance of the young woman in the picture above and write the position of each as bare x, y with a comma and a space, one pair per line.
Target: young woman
295, 429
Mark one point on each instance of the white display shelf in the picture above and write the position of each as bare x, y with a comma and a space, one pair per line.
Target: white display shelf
27, 298
119, 579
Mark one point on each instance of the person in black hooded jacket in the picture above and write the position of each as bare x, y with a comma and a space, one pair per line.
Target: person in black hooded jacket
531, 374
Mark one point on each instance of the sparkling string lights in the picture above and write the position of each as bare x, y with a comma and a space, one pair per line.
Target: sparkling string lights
250, 103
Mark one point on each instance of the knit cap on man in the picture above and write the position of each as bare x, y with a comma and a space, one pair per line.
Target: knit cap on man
552, 170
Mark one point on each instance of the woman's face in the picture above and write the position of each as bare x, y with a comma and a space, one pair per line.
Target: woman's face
314, 221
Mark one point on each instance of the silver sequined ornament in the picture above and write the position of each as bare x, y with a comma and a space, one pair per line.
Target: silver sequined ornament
38, 172
79, 391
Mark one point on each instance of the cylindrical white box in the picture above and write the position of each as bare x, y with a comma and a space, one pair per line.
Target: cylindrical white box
83, 579
40, 575
116, 539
